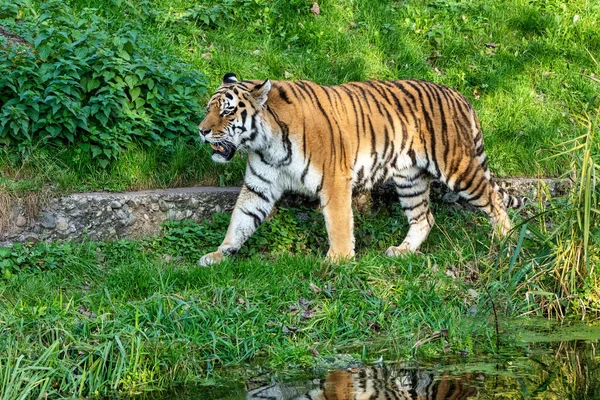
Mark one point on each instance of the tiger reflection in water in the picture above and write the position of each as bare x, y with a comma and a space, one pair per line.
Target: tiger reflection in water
376, 383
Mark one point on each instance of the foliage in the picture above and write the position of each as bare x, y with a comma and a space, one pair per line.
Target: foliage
564, 269
522, 64
80, 85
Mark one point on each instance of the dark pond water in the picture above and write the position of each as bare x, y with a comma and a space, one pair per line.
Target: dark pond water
557, 363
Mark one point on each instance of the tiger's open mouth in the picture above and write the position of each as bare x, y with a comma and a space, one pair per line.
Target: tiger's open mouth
225, 150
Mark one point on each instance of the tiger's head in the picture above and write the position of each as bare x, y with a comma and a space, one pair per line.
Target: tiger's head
233, 117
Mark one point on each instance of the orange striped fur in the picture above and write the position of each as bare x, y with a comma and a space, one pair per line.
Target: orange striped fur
330, 140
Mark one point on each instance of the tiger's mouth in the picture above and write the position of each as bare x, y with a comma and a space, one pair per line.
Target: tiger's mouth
225, 150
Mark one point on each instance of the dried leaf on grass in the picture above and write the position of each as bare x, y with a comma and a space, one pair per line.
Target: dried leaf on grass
442, 333
315, 9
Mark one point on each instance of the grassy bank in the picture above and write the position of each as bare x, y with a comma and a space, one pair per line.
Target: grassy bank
130, 316
523, 65
91, 318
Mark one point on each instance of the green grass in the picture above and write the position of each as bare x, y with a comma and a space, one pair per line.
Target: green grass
522, 64
129, 316
141, 315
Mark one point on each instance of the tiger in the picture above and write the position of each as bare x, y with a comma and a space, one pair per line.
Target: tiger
328, 141
373, 383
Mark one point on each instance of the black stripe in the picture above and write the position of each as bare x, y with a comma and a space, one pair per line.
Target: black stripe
425, 203
478, 191
405, 185
429, 123
257, 219
373, 140
460, 184
262, 178
408, 195
416, 218
382, 92
360, 175
315, 100
401, 113
407, 93
335, 107
439, 94
305, 170
413, 156
296, 93
356, 114
430, 94
253, 131
285, 139
322, 178
264, 213
283, 94
258, 193
362, 91
386, 144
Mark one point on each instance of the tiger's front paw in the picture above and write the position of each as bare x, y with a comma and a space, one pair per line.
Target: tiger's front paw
211, 258
395, 251
335, 256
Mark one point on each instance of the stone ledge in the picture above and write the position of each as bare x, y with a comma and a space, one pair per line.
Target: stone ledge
105, 216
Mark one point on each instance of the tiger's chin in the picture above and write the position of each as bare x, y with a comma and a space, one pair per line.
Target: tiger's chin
218, 158
222, 153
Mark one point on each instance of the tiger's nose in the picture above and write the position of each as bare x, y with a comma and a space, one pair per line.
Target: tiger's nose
204, 132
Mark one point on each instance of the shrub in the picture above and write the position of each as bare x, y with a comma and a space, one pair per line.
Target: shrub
79, 85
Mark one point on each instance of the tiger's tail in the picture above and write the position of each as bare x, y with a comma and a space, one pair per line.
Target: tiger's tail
509, 200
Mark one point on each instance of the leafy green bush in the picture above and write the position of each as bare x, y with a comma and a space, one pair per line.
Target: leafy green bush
40, 257
77, 84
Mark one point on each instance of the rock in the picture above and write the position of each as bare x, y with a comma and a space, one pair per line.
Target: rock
115, 204
450, 197
193, 203
31, 240
165, 206
62, 224
175, 215
133, 203
48, 221
131, 218
154, 207
218, 209
21, 221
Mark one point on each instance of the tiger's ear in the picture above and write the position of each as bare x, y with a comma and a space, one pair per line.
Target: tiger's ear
261, 92
229, 78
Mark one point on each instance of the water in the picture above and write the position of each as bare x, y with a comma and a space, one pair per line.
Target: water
544, 363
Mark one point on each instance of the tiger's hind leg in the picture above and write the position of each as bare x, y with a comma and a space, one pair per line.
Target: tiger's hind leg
475, 186
412, 186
